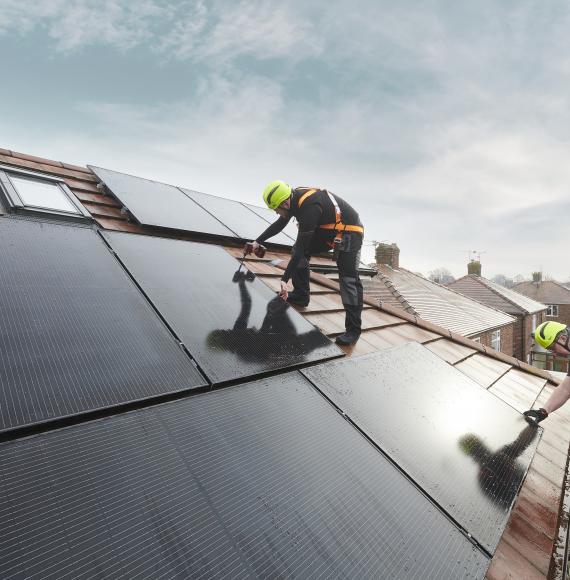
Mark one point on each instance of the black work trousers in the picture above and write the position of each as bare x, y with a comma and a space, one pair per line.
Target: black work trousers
349, 280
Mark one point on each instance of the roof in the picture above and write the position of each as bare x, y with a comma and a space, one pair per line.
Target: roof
533, 543
495, 295
434, 302
547, 291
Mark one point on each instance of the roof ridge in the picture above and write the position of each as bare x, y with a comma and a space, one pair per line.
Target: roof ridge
396, 293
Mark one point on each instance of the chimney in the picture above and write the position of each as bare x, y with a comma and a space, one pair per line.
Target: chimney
474, 267
388, 254
537, 277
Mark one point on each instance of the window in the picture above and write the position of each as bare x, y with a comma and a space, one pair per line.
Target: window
552, 310
30, 191
496, 340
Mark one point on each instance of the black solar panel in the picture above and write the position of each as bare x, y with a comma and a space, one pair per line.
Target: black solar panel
465, 447
75, 332
233, 327
157, 204
238, 218
263, 480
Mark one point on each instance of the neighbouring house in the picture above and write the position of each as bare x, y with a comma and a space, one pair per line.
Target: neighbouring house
431, 301
163, 414
556, 296
528, 312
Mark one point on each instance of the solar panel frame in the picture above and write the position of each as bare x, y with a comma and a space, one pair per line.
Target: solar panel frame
260, 480
247, 224
233, 327
158, 204
465, 447
76, 334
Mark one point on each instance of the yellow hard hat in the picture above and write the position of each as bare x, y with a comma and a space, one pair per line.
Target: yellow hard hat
547, 333
275, 193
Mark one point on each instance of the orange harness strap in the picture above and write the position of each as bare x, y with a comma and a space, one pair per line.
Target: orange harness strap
338, 225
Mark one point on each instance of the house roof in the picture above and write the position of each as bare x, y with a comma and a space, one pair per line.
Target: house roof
495, 295
547, 291
533, 543
433, 302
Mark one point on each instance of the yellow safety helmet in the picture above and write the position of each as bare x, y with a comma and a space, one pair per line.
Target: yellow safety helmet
275, 193
547, 333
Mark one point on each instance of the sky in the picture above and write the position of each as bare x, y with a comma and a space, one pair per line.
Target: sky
445, 124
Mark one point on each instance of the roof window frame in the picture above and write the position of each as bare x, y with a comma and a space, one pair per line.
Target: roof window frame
14, 202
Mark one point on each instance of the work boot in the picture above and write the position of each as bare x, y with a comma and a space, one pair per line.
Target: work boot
298, 299
347, 338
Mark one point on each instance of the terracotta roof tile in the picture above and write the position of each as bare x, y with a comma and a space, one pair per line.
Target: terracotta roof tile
518, 389
508, 564
361, 347
45, 168
482, 369
526, 539
544, 519
449, 351
274, 284
397, 335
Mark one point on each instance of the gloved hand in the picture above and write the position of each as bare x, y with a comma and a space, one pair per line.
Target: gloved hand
535, 415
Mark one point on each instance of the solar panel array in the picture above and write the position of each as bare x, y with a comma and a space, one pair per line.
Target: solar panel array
264, 480
75, 333
160, 205
232, 326
415, 478
466, 448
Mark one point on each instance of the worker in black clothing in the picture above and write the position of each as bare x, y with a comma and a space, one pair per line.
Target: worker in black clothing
325, 222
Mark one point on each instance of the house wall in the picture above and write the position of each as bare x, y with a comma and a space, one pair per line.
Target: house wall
563, 314
507, 338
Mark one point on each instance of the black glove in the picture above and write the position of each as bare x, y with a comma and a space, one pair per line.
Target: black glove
535, 415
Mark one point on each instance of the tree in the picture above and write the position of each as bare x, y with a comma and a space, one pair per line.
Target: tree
441, 276
503, 280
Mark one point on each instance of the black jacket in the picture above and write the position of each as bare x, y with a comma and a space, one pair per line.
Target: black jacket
316, 210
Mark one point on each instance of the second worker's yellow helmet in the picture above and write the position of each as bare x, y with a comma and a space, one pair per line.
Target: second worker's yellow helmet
547, 333
275, 193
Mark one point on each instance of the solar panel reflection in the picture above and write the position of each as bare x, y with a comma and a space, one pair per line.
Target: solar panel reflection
464, 446
233, 326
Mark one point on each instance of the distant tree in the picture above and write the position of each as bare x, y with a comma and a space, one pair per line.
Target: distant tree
503, 280
441, 276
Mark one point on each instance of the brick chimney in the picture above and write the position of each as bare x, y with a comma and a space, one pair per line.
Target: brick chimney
388, 254
474, 267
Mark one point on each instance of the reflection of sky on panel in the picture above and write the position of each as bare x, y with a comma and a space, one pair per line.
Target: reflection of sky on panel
234, 326
468, 449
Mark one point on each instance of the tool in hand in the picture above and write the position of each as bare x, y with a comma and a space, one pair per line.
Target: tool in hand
259, 252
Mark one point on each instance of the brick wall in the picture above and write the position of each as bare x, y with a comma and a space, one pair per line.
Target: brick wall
507, 335
563, 314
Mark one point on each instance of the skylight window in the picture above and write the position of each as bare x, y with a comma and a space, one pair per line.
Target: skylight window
38, 193
44, 194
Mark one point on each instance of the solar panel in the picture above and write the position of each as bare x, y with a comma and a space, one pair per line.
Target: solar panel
75, 333
157, 204
263, 480
233, 327
464, 446
234, 215
270, 216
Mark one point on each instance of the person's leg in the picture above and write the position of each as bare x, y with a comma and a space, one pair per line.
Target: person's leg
301, 283
350, 287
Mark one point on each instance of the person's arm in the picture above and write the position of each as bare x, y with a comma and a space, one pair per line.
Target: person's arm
560, 395
273, 230
307, 225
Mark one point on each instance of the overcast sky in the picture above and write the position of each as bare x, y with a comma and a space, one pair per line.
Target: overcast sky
445, 123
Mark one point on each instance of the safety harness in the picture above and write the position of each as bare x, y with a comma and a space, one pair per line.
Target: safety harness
338, 226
